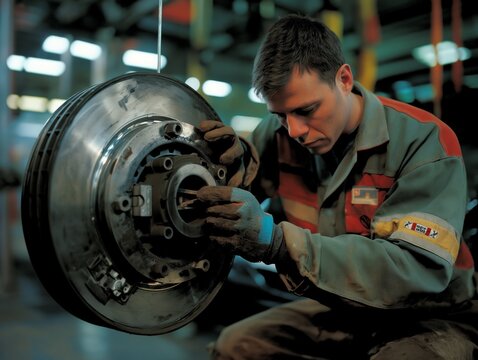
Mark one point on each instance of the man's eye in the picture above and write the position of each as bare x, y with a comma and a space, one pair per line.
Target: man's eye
304, 112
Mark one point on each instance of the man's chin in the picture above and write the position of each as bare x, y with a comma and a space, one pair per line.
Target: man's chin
319, 150
318, 147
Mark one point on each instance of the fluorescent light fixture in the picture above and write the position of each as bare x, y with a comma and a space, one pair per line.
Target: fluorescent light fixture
85, 50
404, 91
56, 44
448, 53
216, 88
143, 59
54, 104
193, 82
16, 62
12, 101
254, 98
44, 66
242, 123
36, 65
424, 93
32, 103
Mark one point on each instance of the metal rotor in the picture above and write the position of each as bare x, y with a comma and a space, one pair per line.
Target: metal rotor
109, 213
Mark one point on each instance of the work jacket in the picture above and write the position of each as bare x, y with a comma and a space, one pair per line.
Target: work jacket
380, 226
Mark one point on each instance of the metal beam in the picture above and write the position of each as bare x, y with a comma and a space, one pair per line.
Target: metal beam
6, 38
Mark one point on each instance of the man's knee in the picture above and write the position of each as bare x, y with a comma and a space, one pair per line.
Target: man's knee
240, 341
440, 340
405, 349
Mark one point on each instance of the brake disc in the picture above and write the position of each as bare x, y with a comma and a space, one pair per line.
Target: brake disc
109, 214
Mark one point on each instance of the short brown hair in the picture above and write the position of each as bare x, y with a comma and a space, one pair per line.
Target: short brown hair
295, 40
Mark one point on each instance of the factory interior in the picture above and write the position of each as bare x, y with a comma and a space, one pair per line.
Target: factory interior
52, 50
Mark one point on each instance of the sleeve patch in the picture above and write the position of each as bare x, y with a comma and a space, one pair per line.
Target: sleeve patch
422, 229
425, 231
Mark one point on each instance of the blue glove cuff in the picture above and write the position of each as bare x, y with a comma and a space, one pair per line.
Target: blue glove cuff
267, 229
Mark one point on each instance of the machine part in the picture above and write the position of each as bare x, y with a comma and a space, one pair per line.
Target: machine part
108, 205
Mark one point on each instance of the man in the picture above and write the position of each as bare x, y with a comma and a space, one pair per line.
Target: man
372, 195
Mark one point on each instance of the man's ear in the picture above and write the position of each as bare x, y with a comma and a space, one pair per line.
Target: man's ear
345, 78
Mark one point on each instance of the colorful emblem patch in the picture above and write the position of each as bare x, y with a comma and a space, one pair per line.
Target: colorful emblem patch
422, 229
364, 195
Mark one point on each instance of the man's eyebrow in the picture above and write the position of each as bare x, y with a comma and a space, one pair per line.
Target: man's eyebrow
301, 107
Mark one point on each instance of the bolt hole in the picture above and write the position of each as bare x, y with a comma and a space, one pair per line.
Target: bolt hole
168, 163
168, 233
221, 173
184, 273
178, 129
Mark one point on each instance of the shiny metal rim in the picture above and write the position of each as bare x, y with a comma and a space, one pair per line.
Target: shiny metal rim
83, 226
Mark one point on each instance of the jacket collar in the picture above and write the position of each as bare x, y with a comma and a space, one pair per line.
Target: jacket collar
373, 130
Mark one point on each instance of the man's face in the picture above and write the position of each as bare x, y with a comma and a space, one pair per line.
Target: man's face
314, 113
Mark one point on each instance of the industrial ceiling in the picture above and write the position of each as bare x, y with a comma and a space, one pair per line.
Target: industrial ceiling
224, 45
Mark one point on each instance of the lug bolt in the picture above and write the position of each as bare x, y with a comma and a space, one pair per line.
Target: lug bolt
122, 204
166, 232
173, 129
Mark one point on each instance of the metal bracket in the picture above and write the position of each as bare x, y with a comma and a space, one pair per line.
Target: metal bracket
170, 273
105, 283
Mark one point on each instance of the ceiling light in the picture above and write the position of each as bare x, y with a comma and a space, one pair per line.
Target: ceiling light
16, 62
216, 88
44, 66
143, 59
193, 82
32, 103
424, 93
254, 98
54, 104
404, 91
242, 123
56, 44
448, 53
12, 101
85, 50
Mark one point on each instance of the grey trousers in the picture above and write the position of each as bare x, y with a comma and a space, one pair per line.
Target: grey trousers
305, 329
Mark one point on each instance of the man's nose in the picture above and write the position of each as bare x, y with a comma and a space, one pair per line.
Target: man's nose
297, 127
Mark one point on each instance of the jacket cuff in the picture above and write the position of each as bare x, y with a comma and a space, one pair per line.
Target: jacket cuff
288, 267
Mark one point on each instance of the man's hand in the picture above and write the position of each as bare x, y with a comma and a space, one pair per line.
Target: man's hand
224, 139
236, 221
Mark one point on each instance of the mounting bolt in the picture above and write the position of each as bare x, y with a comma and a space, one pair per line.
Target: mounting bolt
173, 129
163, 163
122, 204
164, 231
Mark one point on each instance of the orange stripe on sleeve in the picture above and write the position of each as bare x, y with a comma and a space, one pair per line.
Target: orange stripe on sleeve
447, 137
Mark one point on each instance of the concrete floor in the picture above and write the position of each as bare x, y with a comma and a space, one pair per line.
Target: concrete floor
34, 327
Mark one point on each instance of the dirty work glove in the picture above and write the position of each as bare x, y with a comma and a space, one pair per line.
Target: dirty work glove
236, 221
237, 154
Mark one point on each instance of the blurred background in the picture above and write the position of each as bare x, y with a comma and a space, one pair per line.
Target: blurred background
420, 52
